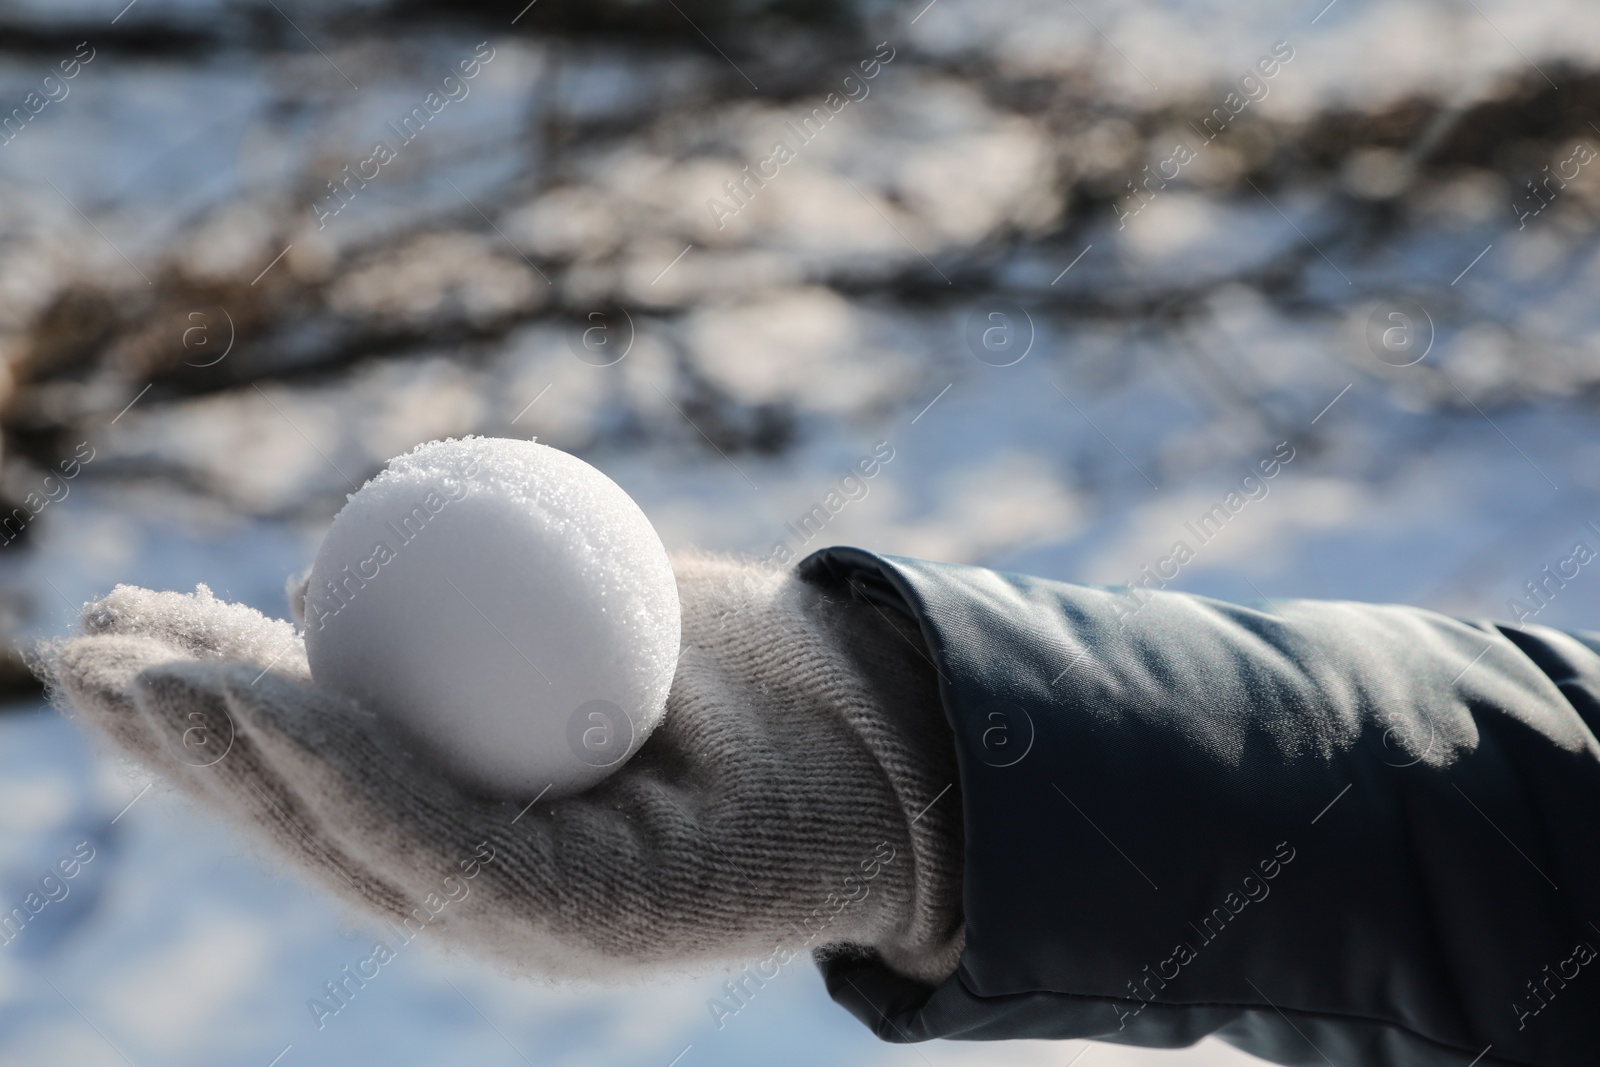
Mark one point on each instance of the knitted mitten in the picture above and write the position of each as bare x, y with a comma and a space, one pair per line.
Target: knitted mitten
790, 800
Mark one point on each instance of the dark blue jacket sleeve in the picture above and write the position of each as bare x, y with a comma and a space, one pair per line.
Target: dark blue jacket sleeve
1324, 832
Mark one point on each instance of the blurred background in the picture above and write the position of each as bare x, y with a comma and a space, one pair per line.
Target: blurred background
981, 252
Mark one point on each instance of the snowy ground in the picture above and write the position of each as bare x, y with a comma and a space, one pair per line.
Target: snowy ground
1160, 362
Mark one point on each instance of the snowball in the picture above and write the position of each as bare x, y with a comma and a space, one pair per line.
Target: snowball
503, 608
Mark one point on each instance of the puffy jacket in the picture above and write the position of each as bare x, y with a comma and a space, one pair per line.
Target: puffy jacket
1325, 832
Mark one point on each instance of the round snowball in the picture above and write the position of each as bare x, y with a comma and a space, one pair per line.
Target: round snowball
503, 608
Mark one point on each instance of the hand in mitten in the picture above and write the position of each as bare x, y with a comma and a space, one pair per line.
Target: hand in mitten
786, 801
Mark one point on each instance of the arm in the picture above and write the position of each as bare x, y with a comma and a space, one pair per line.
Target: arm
1328, 832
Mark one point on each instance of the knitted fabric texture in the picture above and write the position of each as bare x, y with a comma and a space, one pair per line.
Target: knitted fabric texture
794, 797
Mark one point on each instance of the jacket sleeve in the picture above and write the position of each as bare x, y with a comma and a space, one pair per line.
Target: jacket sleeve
1324, 832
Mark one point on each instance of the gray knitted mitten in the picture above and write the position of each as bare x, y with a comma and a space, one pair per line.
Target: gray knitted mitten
790, 800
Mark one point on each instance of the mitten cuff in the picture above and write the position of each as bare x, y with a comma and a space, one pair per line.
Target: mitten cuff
908, 734
852, 698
